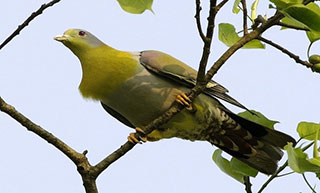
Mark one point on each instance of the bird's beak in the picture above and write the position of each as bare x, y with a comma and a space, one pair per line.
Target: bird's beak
61, 38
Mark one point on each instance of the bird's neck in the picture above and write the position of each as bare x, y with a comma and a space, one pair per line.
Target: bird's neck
105, 69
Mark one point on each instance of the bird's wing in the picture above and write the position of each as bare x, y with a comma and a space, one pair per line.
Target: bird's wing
117, 115
173, 69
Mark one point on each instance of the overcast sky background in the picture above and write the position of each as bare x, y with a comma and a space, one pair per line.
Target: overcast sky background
40, 76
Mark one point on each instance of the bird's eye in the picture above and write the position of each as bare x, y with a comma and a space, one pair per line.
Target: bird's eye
82, 33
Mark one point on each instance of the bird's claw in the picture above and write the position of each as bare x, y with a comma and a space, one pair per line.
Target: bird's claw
183, 99
132, 138
139, 130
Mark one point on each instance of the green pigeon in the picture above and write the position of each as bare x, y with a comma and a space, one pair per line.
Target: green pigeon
137, 87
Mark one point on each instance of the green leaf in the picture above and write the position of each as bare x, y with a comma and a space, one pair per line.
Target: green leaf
313, 36
309, 15
299, 162
258, 118
289, 21
254, 9
282, 4
254, 44
228, 35
136, 6
235, 8
242, 168
224, 166
234, 168
308, 130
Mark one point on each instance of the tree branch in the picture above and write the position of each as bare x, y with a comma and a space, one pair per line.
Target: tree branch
198, 20
27, 21
245, 39
164, 118
207, 43
290, 54
80, 160
50, 138
245, 14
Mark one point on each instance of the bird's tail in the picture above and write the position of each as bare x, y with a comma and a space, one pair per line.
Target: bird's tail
254, 144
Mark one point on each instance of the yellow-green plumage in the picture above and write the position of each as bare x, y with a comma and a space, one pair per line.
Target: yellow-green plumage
97, 81
137, 87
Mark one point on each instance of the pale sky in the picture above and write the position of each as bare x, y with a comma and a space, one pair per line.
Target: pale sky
40, 77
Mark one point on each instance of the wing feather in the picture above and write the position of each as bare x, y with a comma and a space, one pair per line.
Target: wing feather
169, 67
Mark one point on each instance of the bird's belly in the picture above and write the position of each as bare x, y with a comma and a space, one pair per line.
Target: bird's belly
145, 98
190, 125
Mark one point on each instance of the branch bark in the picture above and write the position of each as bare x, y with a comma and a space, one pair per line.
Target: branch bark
287, 52
198, 20
207, 42
245, 15
79, 159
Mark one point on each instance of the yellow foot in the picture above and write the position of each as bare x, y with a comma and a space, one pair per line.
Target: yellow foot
139, 130
132, 138
183, 99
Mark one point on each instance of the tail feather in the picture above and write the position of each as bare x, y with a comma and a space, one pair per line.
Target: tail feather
254, 144
268, 135
262, 162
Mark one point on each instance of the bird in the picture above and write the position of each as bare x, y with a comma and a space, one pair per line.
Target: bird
137, 87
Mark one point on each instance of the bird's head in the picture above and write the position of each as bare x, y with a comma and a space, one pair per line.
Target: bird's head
78, 40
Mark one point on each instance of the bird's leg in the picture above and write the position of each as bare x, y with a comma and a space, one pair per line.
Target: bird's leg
184, 100
132, 138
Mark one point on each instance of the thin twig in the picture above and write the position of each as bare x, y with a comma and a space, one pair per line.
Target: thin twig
286, 174
207, 42
247, 184
27, 21
245, 15
308, 184
80, 160
290, 54
245, 39
221, 4
280, 170
198, 20
292, 26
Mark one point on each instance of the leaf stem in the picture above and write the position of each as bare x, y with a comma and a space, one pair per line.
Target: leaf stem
309, 185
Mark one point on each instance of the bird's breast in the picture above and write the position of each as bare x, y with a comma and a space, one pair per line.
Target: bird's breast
104, 71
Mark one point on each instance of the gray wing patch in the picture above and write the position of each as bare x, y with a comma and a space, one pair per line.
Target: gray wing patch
169, 67
117, 115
